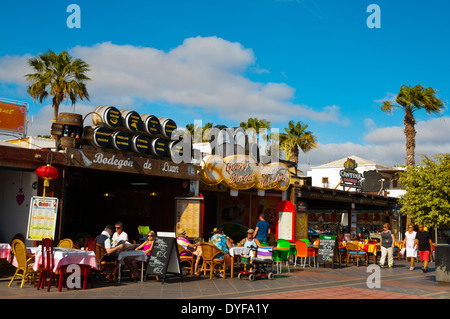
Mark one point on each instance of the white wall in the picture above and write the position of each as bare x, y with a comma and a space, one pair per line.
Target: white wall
14, 217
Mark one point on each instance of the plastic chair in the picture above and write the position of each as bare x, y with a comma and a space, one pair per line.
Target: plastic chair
281, 253
143, 231
48, 264
23, 262
303, 252
65, 243
210, 256
89, 244
354, 251
186, 258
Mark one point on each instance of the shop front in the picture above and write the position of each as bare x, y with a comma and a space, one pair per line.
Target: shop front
328, 211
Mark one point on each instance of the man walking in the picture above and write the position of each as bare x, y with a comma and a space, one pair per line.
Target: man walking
423, 244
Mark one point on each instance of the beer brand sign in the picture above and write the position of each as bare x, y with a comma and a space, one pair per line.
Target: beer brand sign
242, 172
349, 176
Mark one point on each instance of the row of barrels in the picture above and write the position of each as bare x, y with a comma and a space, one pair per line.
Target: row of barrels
122, 130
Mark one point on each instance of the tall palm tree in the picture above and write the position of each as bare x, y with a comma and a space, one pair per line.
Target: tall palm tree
411, 99
59, 76
296, 137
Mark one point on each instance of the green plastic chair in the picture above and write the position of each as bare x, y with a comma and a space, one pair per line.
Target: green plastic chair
143, 231
282, 255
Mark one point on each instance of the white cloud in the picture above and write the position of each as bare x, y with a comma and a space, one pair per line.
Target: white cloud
386, 145
203, 72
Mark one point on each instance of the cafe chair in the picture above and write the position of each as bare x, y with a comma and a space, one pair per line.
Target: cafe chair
304, 252
211, 259
106, 267
48, 264
186, 257
281, 253
143, 231
89, 244
356, 252
24, 263
65, 243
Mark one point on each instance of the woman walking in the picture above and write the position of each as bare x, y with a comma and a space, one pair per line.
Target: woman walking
409, 244
387, 246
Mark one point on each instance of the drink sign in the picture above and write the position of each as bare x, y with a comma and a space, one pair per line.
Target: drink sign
164, 258
327, 248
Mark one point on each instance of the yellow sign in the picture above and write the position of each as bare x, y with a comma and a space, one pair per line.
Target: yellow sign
242, 172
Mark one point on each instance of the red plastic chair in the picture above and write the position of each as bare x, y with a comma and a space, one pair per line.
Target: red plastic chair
48, 264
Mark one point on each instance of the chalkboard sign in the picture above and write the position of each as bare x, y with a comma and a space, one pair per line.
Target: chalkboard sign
327, 248
164, 258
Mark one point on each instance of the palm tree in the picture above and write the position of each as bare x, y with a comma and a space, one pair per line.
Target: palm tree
59, 76
199, 137
296, 137
410, 100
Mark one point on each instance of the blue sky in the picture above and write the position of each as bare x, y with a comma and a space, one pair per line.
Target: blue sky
314, 61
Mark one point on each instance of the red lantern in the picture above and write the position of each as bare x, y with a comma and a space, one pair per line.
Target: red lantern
47, 173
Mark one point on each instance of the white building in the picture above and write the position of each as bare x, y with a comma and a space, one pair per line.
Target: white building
328, 176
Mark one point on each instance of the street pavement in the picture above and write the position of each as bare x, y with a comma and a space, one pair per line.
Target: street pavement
371, 284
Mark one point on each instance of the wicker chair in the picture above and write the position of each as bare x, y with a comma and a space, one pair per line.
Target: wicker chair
354, 251
106, 268
186, 259
65, 243
211, 261
24, 263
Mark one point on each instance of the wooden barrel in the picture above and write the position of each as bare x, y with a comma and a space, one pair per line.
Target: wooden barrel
131, 121
158, 147
69, 142
167, 126
120, 140
71, 119
108, 116
140, 143
175, 148
97, 136
151, 125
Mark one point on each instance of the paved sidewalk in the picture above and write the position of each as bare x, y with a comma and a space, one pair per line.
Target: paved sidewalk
310, 283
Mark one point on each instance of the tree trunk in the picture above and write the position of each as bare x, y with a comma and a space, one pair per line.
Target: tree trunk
410, 134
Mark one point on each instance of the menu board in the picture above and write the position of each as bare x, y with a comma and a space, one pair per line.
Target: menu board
327, 247
42, 218
189, 216
285, 221
164, 258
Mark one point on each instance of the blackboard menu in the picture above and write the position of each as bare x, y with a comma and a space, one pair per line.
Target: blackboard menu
164, 258
327, 247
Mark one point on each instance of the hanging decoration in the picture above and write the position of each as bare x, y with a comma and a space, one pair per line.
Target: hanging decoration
47, 173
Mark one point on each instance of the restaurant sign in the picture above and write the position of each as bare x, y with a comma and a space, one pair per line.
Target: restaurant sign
12, 117
111, 160
242, 172
349, 176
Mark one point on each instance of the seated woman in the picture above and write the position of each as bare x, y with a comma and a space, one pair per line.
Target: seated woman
221, 241
133, 264
192, 249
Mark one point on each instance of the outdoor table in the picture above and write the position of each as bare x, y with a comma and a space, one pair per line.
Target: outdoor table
63, 257
5, 252
236, 252
135, 254
368, 248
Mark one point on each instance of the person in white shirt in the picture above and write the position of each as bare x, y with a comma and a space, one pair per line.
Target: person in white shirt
119, 237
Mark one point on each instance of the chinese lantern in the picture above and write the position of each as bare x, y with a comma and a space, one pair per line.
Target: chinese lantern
47, 173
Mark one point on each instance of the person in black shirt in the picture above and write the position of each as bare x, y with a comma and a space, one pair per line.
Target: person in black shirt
423, 244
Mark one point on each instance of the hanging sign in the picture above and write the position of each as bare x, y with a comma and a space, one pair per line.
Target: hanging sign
12, 117
240, 172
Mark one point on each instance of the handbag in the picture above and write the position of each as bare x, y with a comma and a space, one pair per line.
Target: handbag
402, 251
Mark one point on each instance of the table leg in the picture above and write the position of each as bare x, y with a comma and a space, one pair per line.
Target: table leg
120, 270
142, 272
232, 267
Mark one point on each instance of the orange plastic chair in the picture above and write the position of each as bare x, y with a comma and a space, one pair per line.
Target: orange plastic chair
303, 252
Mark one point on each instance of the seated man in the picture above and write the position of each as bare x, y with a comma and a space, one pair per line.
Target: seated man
250, 241
119, 237
104, 239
